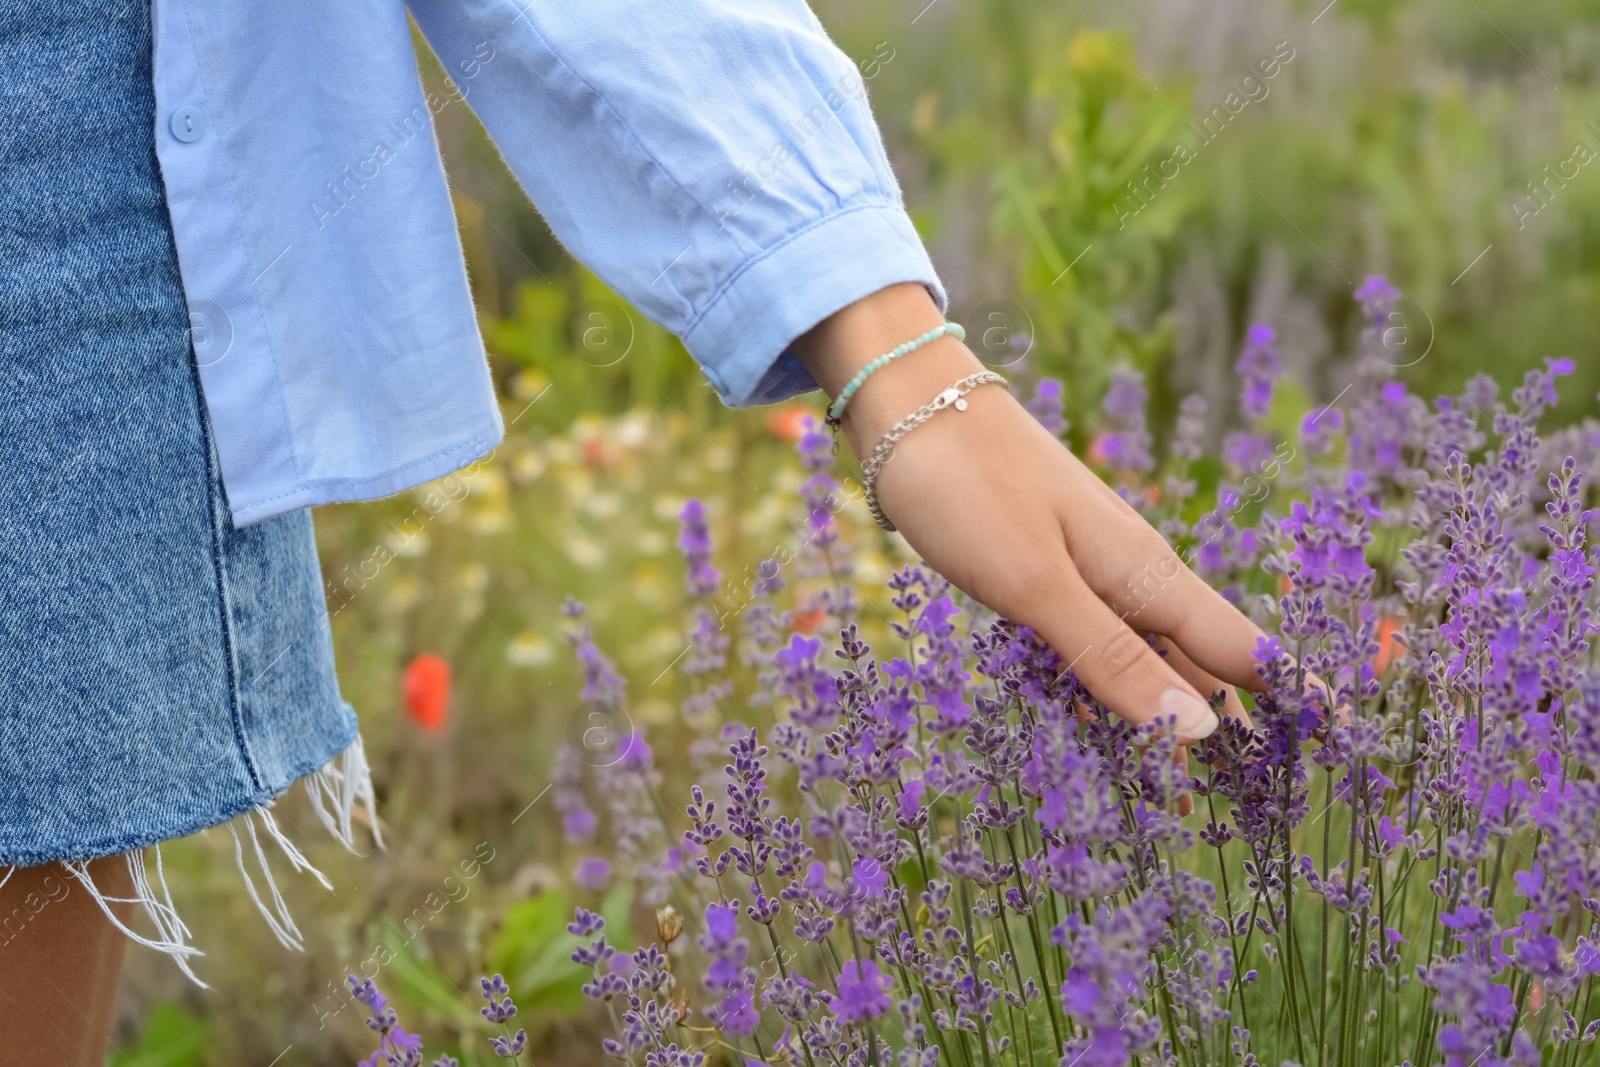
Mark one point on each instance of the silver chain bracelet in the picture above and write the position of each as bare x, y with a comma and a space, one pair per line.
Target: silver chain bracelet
951, 396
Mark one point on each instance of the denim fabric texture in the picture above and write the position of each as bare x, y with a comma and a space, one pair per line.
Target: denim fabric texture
161, 671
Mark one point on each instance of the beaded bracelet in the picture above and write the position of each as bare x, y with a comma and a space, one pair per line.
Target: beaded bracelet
836, 409
951, 396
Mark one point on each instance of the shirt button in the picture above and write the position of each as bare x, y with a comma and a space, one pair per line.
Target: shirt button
716, 381
188, 123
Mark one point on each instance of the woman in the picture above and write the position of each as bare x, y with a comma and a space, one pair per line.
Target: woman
231, 289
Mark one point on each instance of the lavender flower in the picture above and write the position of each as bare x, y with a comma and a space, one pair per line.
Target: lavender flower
396, 1047
695, 540
923, 840
499, 1010
1375, 295
1129, 445
1260, 368
708, 643
592, 873
863, 991
727, 977
1047, 405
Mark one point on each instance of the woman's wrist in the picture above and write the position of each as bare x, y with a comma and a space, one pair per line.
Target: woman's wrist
839, 346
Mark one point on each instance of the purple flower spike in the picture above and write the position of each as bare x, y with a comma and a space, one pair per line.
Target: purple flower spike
578, 824
945, 849
1260, 367
396, 1047
592, 873
695, 541
499, 1009
722, 924
1047, 405
1375, 295
1128, 446
869, 877
509, 1047
585, 923
498, 994
863, 991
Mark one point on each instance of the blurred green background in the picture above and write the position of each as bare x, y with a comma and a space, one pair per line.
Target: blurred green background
1395, 136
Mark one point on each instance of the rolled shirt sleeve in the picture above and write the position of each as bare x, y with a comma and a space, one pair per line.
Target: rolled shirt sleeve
714, 161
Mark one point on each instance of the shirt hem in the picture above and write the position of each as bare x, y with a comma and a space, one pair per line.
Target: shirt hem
311, 493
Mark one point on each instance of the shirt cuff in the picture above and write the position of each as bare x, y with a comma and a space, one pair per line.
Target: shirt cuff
741, 339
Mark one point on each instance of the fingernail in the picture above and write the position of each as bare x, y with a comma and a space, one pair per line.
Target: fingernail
1196, 720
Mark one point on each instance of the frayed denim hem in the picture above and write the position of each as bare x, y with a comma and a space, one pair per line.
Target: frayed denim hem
335, 790
35, 855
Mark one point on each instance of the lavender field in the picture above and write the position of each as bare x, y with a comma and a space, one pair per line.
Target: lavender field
682, 758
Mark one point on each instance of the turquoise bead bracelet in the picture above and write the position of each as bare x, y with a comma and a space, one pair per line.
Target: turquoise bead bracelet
836, 409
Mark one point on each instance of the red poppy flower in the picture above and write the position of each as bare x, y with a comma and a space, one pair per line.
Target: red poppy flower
426, 685
807, 622
789, 423
1389, 649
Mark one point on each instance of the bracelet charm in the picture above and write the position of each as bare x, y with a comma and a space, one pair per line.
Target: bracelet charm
835, 414
952, 396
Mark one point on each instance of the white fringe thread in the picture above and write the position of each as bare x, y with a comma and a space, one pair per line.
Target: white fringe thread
172, 936
342, 782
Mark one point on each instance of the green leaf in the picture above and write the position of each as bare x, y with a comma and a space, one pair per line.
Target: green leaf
1032, 221
614, 910
172, 1038
1290, 405
910, 873
1207, 474
533, 950
472, 1056
1163, 120
419, 982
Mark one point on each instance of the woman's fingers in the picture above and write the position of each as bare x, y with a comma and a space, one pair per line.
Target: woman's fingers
1115, 664
1133, 569
1209, 634
1206, 682
995, 529
1165, 597
994, 503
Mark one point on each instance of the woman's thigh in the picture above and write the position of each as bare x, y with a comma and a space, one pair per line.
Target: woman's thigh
60, 958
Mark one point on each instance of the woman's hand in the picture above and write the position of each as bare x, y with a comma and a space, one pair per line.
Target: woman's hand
1001, 508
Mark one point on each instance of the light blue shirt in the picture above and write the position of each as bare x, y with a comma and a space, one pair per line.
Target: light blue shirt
714, 161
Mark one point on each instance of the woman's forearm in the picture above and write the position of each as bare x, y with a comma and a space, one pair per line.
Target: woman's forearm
842, 344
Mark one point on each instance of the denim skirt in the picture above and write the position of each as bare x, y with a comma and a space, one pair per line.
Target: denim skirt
161, 671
